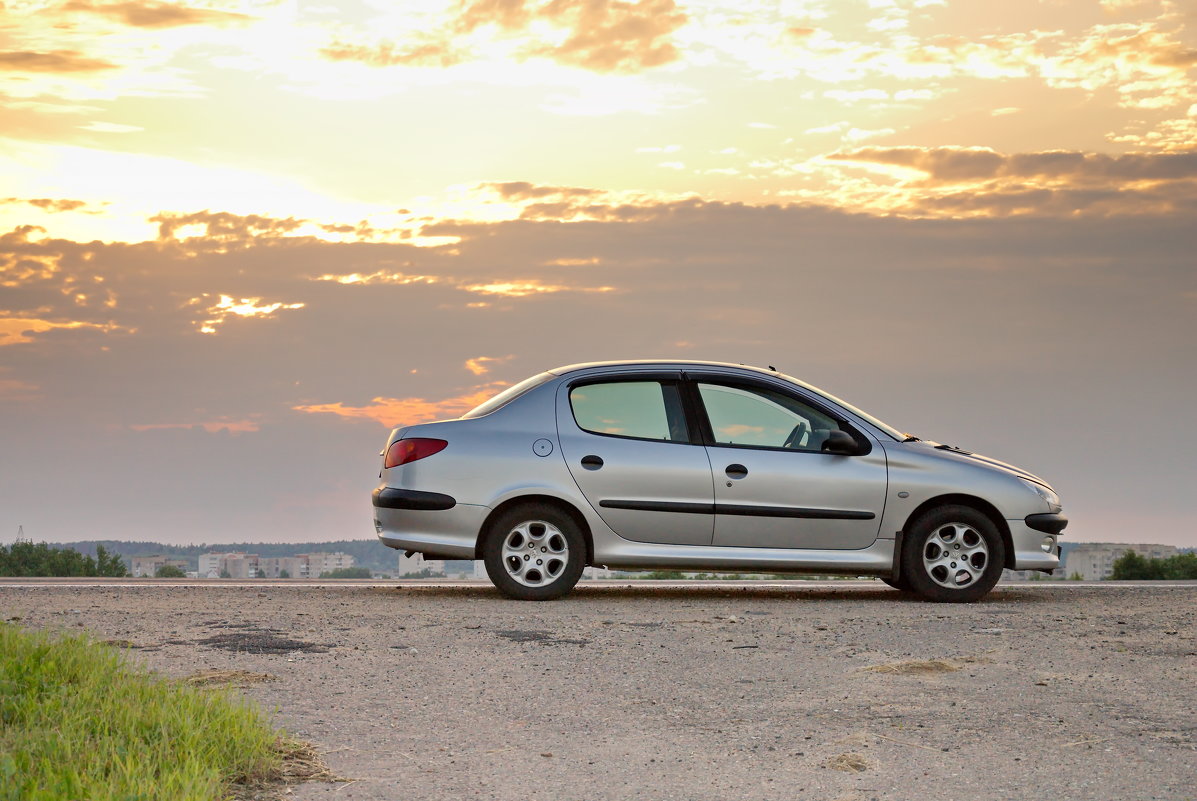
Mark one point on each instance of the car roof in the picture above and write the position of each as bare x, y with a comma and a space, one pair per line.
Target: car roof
660, 364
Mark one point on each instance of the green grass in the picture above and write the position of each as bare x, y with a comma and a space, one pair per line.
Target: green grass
78, 722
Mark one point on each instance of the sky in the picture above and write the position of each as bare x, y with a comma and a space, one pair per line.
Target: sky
241, 241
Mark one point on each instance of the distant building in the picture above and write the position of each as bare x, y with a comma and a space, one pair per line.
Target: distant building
148, 565
237, 564
275, 566
320, 563
1094, 561
417, 563
234, 564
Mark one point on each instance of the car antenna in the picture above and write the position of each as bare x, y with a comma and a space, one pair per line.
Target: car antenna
774, 369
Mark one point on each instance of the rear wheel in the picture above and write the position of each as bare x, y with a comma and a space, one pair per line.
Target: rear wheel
534, 552
952, 554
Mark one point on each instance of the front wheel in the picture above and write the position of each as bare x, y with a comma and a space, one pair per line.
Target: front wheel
534, 552
952, 554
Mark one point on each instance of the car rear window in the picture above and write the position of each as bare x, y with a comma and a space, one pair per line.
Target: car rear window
508, 395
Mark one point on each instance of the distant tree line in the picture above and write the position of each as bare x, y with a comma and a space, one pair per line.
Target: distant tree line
1132, 566
24, 558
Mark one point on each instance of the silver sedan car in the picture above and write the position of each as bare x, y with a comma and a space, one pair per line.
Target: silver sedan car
704, 466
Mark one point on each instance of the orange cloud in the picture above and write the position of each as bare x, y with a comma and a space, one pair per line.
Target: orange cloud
378, 277
151, 14
222, 226
524, 288
18, 330
48, 204
226, 307
956, 164
387, 54
17, 269
54, 61
393, 412
613, 36
523, 190
981, 182
481, 364
608, 36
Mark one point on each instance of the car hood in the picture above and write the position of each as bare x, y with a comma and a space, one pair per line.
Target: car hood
959, 454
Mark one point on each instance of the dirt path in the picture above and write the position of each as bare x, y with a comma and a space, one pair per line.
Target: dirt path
798, 692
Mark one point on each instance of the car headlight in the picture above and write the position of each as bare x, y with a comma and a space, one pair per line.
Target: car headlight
1053, 500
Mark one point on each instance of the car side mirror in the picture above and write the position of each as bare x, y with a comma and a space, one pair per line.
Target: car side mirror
841, 443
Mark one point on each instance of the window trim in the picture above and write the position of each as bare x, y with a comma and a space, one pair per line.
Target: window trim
692, 380
662, 378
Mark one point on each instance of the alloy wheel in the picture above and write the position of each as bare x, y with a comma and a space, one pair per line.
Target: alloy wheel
535, 553
955, 555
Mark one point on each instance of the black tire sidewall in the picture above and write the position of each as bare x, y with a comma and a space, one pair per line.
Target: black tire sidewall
492, 552
915, 574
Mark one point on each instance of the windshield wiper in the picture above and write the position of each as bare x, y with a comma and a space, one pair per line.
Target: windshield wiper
911, 438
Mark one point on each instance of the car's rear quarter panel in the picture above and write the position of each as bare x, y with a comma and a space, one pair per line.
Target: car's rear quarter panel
488, 461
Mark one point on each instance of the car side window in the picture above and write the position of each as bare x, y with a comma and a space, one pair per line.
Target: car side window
754, 416
636, 409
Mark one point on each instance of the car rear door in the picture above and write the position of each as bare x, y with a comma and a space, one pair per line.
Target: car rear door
774, 486
631, 451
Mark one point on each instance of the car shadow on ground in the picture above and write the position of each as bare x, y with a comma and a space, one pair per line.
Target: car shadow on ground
593, 593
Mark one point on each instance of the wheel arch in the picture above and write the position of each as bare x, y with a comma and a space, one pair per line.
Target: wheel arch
548, 500
958, 499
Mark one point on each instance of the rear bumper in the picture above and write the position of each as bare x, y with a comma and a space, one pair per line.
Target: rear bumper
427, 522
395, 498
1029, 544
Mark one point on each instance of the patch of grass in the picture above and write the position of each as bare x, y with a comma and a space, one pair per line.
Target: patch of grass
77, 721
228, 678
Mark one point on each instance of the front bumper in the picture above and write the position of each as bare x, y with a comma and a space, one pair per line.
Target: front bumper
1029, 543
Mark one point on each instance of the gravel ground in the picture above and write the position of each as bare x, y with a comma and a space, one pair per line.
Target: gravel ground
796, 691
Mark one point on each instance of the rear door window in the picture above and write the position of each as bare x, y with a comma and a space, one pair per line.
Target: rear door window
634, 409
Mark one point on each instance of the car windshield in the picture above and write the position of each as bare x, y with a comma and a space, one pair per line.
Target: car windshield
508, 395
888, 429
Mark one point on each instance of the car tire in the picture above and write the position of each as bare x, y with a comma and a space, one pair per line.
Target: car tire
534, 552
952, 554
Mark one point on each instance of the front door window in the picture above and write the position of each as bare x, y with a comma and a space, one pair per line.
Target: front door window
758, 417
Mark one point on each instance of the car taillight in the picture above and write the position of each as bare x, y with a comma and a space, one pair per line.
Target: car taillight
403, 451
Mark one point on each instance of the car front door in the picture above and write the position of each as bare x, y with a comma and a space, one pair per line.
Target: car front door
774, 485
631, 451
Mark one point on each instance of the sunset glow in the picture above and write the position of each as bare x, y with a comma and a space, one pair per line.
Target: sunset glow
230, 227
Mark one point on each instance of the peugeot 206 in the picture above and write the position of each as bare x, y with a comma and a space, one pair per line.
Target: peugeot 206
704, 466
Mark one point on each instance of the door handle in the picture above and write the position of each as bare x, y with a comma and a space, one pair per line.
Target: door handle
736, 471
592, 462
